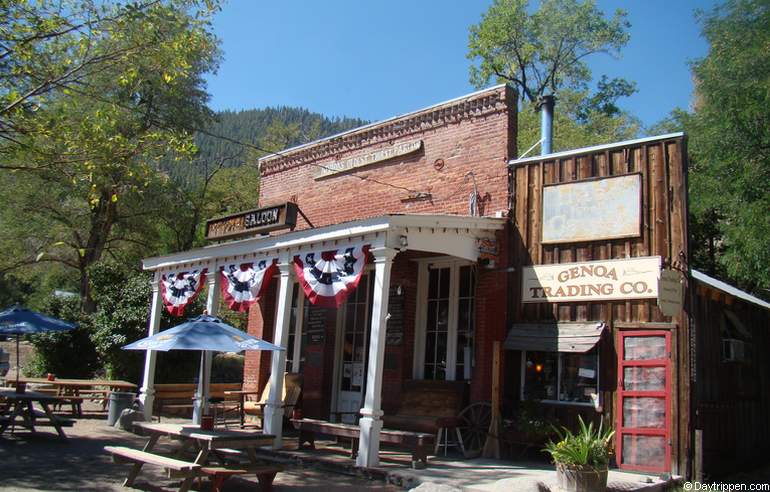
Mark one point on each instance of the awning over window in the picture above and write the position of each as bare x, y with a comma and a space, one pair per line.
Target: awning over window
554, 337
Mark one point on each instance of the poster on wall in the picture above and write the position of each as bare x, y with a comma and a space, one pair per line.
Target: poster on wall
606, 208
631, 278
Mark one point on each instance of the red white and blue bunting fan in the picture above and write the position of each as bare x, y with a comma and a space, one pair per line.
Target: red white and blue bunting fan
328, 277
179, 289
243, 285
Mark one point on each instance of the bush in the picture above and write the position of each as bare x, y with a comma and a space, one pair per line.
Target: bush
124, 298
69, 354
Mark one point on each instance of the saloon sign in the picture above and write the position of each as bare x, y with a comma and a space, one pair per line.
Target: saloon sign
632, 278
252, 222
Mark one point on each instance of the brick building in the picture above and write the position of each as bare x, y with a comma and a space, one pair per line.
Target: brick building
419, 244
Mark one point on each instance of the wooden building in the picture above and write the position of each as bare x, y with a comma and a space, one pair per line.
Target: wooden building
683, 391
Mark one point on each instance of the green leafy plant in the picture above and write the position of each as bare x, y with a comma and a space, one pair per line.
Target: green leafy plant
590, 447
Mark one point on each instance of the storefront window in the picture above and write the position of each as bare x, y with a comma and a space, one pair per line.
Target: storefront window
297, 330
450, 320
561, 376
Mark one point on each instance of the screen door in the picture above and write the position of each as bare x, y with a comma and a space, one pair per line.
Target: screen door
644, 401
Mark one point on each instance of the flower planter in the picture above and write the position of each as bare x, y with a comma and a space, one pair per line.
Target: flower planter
580, 479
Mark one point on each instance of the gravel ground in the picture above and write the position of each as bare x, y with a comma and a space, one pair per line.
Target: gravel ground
41, 462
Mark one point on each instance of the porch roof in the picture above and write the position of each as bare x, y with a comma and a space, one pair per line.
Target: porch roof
454, 235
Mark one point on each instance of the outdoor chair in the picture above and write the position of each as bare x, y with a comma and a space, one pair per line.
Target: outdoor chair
292, 388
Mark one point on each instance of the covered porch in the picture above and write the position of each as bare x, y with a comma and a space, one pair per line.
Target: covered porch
304, 262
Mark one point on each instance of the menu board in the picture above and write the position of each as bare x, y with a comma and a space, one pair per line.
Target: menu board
315, 325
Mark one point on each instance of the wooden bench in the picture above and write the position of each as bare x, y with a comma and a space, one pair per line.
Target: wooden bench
265, 474
179, 396
419, 443
76, 402
430, 406
121, 454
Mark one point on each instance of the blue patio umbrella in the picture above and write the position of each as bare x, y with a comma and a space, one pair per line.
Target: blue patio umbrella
202, 333
18, 320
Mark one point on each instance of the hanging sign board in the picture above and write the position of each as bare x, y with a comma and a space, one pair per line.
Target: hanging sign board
631, 278
252, 222
369, 158
670, 292
597, 209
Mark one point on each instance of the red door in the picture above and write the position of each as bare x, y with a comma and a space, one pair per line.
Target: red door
643, 430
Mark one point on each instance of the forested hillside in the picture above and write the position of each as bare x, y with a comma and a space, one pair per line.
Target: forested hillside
272, 129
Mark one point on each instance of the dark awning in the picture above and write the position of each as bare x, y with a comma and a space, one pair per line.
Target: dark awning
554, 337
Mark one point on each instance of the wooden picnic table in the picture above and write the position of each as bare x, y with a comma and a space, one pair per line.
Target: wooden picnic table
21, 406
98, 389
208, 444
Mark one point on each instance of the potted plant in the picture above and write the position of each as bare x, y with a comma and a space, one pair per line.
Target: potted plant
582, 458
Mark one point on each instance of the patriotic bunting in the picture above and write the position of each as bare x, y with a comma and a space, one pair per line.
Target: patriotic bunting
243, 285
328, 277
179, 289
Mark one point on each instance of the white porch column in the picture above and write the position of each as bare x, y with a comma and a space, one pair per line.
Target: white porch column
273, 412
201, 405
370, 423
147, 391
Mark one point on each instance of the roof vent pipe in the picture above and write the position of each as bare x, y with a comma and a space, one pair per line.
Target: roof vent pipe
545, 105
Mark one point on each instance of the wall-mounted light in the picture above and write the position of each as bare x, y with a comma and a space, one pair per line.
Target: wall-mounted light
399, 289
403, 241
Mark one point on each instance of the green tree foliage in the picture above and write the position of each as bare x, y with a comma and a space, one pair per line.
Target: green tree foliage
93, 146
69, 354
544, 52
730, 145
123, 296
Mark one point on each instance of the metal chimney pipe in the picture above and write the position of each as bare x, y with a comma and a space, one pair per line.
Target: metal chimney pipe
545, 105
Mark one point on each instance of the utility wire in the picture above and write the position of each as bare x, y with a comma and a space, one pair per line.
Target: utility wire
416, 194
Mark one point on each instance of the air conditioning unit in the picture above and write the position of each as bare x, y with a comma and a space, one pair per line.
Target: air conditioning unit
733, 350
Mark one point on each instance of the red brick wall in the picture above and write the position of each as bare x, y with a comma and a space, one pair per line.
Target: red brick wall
475, 134
478, 141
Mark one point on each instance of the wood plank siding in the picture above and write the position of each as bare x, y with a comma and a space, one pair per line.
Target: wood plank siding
662, 166
733, 401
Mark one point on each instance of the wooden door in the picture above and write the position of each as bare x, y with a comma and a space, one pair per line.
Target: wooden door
643, 431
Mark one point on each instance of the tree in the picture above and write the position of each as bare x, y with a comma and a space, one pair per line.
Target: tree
89, 153
730, 145
545, 53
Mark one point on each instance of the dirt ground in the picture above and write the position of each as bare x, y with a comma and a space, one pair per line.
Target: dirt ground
41, 462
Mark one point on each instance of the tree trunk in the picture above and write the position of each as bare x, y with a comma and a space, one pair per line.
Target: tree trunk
102, 219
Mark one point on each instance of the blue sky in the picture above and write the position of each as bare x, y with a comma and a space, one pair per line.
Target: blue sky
376, 59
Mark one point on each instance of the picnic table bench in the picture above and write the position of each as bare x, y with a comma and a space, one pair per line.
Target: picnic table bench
209, 445
179, 396
138, 458
21, 412
419, 443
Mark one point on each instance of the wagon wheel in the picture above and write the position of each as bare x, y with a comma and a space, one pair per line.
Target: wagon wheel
474, 427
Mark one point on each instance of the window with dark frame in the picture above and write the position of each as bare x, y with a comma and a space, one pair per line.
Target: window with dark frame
563, 377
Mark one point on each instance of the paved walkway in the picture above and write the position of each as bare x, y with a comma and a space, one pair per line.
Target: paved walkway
44, 463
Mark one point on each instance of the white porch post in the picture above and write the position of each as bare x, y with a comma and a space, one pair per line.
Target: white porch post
273, 412
371, 423
147, 391
201, 405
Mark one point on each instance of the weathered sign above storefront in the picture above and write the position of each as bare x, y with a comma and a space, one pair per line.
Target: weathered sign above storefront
670, 292
632, 278
369, 158
606, 208
258, 221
